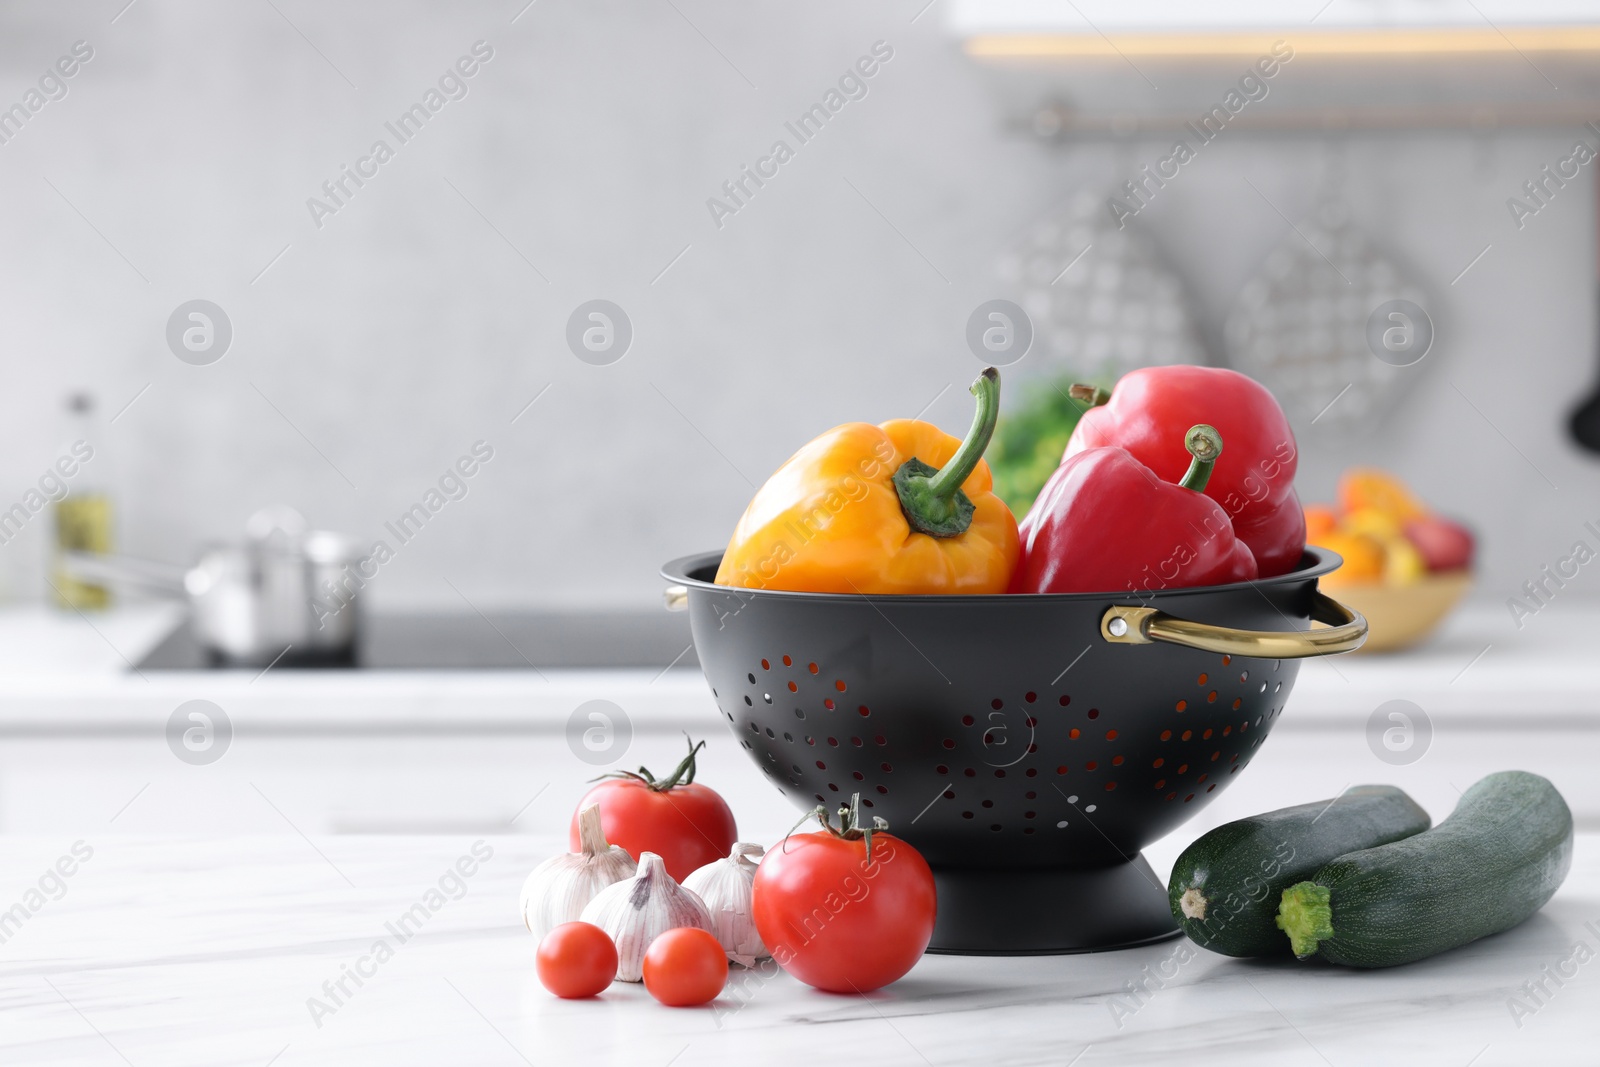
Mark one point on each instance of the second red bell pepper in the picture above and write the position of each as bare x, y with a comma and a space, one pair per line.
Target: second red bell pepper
1147, 414
1105, 523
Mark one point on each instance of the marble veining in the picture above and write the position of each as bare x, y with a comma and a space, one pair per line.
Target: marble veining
265, 950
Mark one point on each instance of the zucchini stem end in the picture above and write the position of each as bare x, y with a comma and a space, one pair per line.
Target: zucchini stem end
1306, 915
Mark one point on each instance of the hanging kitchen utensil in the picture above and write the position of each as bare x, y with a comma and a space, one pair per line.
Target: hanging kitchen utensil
1103, 300
1301, 325
1585, 422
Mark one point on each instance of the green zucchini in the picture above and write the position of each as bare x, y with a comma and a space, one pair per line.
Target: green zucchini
1225, 888
1495, 861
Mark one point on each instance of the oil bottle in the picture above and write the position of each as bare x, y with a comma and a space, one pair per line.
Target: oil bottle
83, 518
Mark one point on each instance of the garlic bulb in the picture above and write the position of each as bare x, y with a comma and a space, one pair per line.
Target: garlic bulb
559, 888
727, 888
637, 911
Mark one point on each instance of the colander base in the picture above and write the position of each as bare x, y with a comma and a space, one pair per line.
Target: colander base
1049, 913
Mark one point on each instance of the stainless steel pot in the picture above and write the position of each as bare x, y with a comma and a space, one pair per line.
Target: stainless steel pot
255, 602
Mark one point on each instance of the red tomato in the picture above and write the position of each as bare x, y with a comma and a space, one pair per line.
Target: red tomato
838, 922
688, 825
576, 960
684, 967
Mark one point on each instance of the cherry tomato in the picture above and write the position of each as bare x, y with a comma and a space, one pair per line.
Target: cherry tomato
576, 960
841, 922
684, 967
688, 825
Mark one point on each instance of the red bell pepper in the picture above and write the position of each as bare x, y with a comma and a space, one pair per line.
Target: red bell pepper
1146, 415
1105, 523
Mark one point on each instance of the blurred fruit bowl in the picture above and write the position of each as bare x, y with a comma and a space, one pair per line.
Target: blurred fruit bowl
1404, 566
1399, 616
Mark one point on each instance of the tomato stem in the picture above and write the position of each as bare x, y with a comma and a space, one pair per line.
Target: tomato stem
851, 826
683, 774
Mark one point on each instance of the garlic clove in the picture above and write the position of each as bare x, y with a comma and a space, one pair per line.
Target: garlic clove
727, 888
637, 911
560, 887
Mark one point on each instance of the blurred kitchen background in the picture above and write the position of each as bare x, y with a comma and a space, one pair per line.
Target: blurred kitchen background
377, 339
369, 353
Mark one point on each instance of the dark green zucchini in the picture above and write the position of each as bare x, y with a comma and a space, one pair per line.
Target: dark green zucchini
1495, 861
1226, 886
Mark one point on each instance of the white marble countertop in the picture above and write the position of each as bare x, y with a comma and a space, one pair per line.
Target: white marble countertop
207, 952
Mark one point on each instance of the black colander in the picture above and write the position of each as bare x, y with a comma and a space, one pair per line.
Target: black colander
1029, 746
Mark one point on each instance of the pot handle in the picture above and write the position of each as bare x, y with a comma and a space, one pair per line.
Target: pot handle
1346, 631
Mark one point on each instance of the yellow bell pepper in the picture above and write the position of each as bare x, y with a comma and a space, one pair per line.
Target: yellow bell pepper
898, 508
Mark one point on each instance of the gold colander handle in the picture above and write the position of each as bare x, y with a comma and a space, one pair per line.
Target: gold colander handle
1346, 631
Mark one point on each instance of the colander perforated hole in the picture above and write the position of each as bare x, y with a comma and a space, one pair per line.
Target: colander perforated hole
1226, 730
1278, 688
799, 713
1090, 807
1065, 700
1161, 783
995, 827
754, 728
1202, 680
1158, 762
1166, 735
1062, 769
1226, 660
787, 736
1116, 761
966, 815
997, 703
793, 688
1236, 702
1094, 713
856, 741
1206, 736
1031, 795
765, 666
820, 797
1210, 787
748, 702
1111, 735
970, 773
863, 711
1073, 799
1073, 733
812, 667
880, 740
884, 790
787, 662
858, 776
1200, 780
1062, 825
1091, 765
1244, 676
988, 803
828, 704
1188, 798
949, 794
839, 684
752, 678
832, 788
1211, 697
886, 768
1000, 774
767, 697
796, 768
1263, 687
967, 720
810, 740
833, 741
1182, 705
1110, 786
1031, 772
1027, 829
821, 766
942, 769
1183, 768
1186, 735
948, 743
771, 734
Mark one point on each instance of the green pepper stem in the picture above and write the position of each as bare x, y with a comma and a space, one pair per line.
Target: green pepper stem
1205, 445
931, 499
